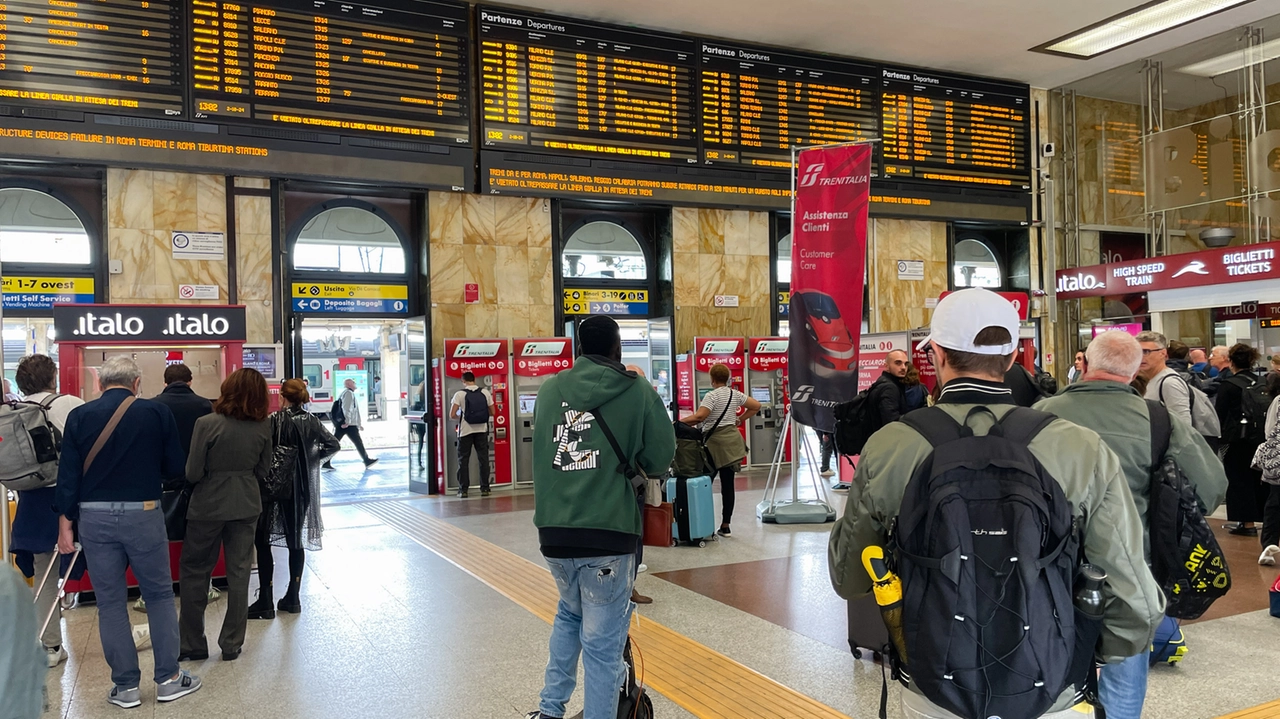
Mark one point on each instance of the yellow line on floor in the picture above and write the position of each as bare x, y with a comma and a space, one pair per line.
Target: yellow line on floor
704, 682
1264, 711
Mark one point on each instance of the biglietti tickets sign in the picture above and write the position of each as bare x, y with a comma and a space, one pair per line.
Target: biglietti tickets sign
1194, 269
148, 323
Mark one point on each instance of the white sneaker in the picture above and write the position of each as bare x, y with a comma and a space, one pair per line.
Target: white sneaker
141, 636
1268, 558
54, 657
214, 594
642, 569
828, 473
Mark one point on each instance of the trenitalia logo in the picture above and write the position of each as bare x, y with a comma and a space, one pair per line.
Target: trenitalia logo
1079, 283
543, 349
813, 176
810, 177
771, 347
802, 394
477, 349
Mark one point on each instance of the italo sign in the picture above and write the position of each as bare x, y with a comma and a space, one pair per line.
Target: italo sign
148, 323
1194, 269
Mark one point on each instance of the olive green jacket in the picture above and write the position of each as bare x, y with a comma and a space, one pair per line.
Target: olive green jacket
1092, 480
1120, 417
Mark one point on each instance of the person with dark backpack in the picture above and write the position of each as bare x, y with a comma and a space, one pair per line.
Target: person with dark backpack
1242, 404
1103, 401
993, 517
472, 407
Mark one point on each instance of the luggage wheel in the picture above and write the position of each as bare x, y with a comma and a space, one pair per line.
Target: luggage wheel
702, 543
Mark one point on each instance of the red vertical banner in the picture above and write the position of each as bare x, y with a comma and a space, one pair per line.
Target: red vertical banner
828, 259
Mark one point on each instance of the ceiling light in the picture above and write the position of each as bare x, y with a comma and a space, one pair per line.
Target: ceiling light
1232, 61
1133, 25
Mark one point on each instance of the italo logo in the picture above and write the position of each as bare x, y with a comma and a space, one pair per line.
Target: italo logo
93, 325
477, 349
1079, 282
180, 324
1196, 267
543, 349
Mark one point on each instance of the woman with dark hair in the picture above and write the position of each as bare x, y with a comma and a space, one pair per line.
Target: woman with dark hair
230, 455
916, 394
1246, 493
292, 522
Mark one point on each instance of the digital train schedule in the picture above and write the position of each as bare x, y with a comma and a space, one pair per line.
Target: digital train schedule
119, 57
575, 88
394, 69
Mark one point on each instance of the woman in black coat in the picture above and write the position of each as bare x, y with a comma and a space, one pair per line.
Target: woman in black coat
1246, 493
293, 522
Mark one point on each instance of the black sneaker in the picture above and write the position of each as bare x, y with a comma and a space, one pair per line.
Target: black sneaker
462, 494
369, 462
326, 465
724, 531
484, 493
193, 657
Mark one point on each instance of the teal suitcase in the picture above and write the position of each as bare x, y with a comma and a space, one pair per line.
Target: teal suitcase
695, 511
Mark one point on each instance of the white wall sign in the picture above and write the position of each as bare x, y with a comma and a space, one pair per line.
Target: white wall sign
726, 300
911, 269
199, 245
931, 303
198, 292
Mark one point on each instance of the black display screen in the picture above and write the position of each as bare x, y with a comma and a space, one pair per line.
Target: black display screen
757, 103
121, 57
388, 68
581, 89
941, 128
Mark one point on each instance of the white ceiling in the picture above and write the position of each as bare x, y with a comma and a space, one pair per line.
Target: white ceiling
981, 37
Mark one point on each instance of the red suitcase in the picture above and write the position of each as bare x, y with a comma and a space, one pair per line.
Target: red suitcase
657, 524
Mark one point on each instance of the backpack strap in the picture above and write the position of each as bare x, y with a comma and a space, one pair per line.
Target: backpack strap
47, 402
934, 424
1022, 424
1161, 432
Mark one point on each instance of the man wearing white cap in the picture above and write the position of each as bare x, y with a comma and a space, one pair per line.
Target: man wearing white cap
995, 640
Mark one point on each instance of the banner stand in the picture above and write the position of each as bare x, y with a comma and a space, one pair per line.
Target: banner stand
795, 510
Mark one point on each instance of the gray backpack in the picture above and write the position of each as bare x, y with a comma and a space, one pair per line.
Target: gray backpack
1204, 417
29, 445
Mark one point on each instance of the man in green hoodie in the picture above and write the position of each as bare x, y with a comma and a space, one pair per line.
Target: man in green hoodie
587, 516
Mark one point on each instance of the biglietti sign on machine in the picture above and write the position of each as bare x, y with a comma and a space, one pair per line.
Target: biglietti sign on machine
1248, 263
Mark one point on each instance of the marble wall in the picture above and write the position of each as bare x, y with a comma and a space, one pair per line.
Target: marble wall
898, 305
502, 244
720, 252
253, 264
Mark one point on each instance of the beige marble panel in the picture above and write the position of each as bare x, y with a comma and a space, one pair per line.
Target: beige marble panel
542, 321
258, 183
758, 234
737, 276
447, 320
253, 215
447, 273
173, 201
129, 199
684, 230
894, 320
759, 290
482, 320
710, 278
710, 231
541, 277
744, 321
689, 324
258, 320
479, 220
935, 275
539, 218
511, 220
444, 217
253, 278
211, 203
512, 275
133, 249
688, 288
480, 264
737, 232
513, 321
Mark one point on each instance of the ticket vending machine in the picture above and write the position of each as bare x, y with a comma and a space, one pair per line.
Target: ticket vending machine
711, 351
490, 361
533, 361
684, 385
767, 384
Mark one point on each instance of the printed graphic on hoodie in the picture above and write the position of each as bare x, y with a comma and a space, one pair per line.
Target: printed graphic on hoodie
575, 429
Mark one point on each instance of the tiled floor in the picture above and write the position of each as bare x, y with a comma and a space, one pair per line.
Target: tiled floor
391, 628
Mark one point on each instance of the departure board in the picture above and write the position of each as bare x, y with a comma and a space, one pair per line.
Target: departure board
949, 129
109, 56
576, 88
396, 68
757, 103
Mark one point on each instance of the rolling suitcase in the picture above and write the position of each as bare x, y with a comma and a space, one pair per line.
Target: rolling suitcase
867, 634
695, 511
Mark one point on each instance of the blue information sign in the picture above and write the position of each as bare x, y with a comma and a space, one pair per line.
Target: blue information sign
618, 308
357, 305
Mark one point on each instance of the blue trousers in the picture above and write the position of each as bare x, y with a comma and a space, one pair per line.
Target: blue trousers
1122, 687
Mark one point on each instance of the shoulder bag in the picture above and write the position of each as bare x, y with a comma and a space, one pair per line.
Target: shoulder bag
278, 484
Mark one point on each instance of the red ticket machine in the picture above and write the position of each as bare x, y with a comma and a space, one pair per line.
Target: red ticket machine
490, 361
711, 351
684, 384
767, 384
533, 361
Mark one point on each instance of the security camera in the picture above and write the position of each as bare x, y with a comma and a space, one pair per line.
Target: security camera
1047, 149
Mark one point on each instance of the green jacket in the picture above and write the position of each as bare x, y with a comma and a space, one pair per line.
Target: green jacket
584, 504
1120, 417
1091, 479
22, 663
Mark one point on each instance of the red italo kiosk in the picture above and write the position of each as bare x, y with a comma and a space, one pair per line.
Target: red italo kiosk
207, 338
490, 361
767, 384
533, 361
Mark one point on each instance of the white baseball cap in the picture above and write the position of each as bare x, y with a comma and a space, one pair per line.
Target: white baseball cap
960, 316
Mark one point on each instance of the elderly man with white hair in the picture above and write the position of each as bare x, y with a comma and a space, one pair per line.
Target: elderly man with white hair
1104, 402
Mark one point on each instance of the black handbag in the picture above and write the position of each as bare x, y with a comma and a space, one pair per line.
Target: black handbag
278, 484
173, 502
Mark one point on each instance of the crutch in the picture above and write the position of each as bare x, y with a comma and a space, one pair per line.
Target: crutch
62, 583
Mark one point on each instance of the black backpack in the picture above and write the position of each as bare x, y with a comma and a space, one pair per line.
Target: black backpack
336, 414
1254, 403
1186, 559
475, 407
987, 550
633, 700
856, 421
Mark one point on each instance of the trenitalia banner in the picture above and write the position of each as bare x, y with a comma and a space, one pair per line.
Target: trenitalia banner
829, 254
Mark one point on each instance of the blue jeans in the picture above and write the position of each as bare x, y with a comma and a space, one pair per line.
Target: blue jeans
1122, 687
119, 539
592, 618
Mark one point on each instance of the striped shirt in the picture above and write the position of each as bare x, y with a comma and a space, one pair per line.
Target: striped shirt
714, 402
